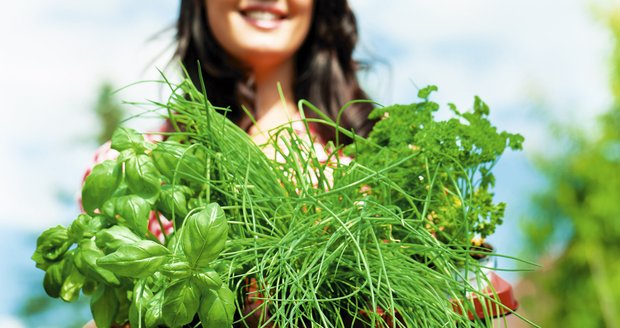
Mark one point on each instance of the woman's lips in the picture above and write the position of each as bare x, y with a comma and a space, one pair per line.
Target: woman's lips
263, 18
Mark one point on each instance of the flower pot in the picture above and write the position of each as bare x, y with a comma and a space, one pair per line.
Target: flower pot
498, 289
487, 283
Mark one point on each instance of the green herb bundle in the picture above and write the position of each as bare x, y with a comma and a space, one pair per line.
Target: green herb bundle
449, 165
296, 242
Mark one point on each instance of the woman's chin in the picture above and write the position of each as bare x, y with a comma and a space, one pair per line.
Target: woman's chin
265, 55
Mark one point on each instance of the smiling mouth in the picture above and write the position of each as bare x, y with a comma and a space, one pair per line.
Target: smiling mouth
261, 15
263, 18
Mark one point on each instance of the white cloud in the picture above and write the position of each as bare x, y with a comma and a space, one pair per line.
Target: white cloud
9, 322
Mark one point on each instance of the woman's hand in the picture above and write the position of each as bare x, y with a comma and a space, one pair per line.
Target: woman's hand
90, 324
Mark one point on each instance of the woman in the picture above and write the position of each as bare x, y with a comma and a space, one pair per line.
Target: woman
245, 47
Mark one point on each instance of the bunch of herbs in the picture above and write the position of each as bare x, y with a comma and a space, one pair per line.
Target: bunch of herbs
292, 242
448, 170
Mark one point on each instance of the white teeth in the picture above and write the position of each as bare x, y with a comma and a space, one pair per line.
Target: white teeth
262, 15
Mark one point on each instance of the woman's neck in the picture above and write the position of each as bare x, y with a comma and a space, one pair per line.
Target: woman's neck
270, 109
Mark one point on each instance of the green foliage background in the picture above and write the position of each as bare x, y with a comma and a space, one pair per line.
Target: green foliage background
109, 112
580, 287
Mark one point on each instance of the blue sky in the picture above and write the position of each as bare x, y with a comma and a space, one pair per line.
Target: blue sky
531, 60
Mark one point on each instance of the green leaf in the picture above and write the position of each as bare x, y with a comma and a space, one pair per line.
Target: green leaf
426, 92
175, 162
143, 178
134, 210
100, 185
154, 316
123, 298
104, 306
166, 156
217, 308
177, 270
109, 240
140, 297
172, 201
52, 282
208, 279
84, 226
125, 138
180, 303
52, 244
480, 107
70, 289
204, 235
86, 256
90, 286
515, 141
138, 260
109, 208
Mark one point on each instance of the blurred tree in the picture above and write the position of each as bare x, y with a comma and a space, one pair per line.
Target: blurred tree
109, 112
580, 287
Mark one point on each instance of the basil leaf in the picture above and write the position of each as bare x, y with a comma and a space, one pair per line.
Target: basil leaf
109, 240
52, 244
104, 306
52, 282
70, 289
87, 254
194, 203
166, 157
154, 316
217, 308
90, 286
204, 235
138, 260
208, 279
84, 226
136, 315
109, 208
125, 138
141, 296
175, 162
122, 296
100, 185
177, 270
172, 202
134, 210
180, 303
143, 178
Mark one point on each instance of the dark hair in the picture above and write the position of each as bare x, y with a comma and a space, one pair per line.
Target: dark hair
325, 69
